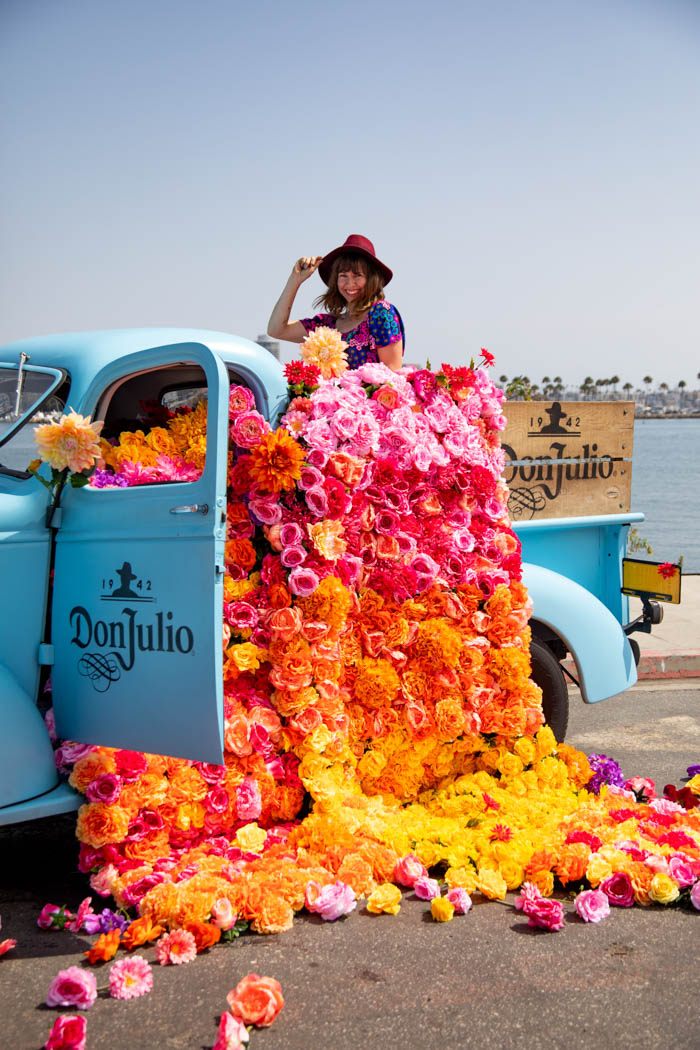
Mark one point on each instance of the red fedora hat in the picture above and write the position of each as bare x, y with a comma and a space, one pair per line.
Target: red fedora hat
355, 244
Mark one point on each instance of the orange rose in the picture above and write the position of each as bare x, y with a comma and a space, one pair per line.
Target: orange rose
285, 623
256, 1000
205, 934
100, 824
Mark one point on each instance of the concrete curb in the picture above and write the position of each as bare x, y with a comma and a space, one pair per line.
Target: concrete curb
680, 664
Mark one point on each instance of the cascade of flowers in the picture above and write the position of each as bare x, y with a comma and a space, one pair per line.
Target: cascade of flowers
379, 716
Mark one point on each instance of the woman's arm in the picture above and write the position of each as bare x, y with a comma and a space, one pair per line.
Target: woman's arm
279, 326
391, 355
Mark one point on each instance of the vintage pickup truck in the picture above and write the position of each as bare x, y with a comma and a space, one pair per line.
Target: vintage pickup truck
120, 601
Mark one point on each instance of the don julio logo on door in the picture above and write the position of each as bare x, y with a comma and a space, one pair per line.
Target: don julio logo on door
111, 642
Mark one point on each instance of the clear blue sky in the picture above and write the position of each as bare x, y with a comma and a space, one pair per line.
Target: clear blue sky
530, 169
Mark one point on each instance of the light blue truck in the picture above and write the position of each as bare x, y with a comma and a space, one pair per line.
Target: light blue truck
120, 600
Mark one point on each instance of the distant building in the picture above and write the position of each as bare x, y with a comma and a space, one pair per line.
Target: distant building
269, 344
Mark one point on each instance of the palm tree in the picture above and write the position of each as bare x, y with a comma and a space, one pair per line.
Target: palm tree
681, 388
627, 387
587, 386
558, 386
614, 381
503, 379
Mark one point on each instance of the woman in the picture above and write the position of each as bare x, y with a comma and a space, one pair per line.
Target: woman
354, 302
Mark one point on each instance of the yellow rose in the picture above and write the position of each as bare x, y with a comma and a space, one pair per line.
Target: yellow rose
598, 868
491, 883
251, 838
546, 741
694, 784
525, 749
509, 765
386, 898
512, 873
442, 909
464, 877
246, 656
320, 739
663, 889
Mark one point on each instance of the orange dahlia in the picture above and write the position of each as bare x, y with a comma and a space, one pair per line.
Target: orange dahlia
275, 463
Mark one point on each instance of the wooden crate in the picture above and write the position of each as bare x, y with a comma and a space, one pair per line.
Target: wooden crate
568, 459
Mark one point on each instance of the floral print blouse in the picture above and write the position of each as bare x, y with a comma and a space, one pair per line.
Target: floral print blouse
381, 326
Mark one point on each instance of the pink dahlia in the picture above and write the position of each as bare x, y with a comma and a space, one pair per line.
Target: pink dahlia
130, 978
176, 948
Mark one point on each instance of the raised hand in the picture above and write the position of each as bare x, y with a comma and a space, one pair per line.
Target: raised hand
306, 267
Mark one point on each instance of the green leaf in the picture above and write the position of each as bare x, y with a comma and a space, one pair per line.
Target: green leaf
473, 822
78, 481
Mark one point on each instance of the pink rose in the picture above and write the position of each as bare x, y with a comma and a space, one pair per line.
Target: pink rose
618, 889
73, 987
545, 913
240, 399
248, 800
643, 788
695, 896
222, 914
681, 872
303, 582
461, 900
408, 870
68, 1033
232, 1033
317, 501
592, 905
247, 428
330, 902
105, 788
293, 556
291, 534
268, 511
426, 888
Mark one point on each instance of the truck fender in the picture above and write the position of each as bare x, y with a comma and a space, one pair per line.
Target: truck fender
601, 651
27, 766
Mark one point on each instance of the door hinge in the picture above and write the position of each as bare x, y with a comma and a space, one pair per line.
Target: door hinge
46, 654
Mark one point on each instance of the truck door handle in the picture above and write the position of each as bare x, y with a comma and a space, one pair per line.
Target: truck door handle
192, 508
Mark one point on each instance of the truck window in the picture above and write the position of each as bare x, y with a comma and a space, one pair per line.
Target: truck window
28, 397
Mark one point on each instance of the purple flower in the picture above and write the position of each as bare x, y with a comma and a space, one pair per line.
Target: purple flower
605, 771
693, 770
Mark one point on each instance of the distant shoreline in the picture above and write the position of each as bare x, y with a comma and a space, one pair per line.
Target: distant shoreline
667, 415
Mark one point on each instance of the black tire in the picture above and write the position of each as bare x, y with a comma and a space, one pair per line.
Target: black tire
547, 673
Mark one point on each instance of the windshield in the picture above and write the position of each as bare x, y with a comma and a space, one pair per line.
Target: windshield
28, 395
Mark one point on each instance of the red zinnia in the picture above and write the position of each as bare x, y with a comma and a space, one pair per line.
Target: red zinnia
667, 570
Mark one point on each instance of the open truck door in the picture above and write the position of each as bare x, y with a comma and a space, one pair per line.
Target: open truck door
137, 608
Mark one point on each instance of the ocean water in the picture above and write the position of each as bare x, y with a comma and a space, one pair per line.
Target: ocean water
666, 488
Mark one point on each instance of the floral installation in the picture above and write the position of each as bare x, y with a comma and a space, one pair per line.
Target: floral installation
376, 678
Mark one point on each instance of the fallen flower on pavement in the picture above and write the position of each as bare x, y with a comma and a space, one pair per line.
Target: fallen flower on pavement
592, 905
330, 902
232, 1033
69, 1032
140, 931
130, 978
72, 987
386, 898
256, 1000
104, 948
176, 948
442, 909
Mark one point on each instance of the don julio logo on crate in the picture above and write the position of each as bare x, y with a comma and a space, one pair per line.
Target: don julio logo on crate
115, 640
568, 458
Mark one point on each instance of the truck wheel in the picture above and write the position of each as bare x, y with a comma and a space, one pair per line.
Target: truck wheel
548, 675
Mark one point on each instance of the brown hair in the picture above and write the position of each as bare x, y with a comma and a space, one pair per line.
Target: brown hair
333, 301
